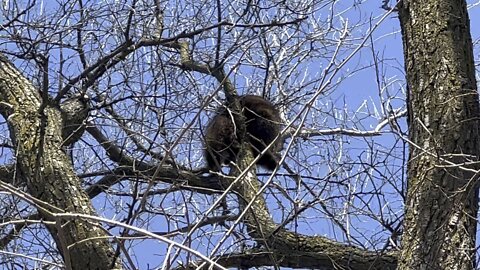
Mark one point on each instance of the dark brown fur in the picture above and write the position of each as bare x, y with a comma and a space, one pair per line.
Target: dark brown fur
262, 124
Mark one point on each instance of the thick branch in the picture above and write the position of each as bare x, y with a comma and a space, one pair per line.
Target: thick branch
261, 257
326, 253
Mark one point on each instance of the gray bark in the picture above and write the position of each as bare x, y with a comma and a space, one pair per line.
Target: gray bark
36, 129
442, 198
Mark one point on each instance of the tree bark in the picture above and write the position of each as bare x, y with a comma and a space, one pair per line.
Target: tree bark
442, 197
35, 129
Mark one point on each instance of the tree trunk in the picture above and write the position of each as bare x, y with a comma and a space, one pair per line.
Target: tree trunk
442, 197
35, 129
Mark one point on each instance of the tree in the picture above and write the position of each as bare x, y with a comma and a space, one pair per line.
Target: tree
440, 223
104, 107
